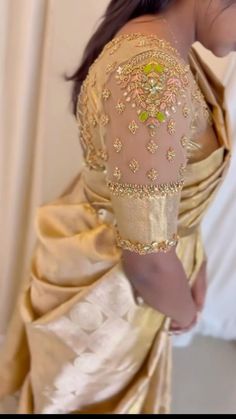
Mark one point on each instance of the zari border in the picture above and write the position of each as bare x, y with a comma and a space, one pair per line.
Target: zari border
143, 249
144, 191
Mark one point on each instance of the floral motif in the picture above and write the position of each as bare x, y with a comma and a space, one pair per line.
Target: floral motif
171, 126
134, 165
133, 127
103, 154
144, 249
117, 145
106, 93
111, 67
152, 147
146, 191
186, 111
120, 107
152, 174
153, 87
170, 155
117, 173
104, 120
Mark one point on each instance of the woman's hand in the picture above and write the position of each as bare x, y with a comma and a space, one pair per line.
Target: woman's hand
160, 280
199, 294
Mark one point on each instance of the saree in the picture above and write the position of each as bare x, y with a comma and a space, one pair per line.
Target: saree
78, 341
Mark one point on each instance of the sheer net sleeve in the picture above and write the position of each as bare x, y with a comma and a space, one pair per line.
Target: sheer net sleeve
147, 106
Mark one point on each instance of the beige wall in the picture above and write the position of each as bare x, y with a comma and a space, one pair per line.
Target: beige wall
71, 24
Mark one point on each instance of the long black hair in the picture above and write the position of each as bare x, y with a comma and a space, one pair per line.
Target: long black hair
117, 14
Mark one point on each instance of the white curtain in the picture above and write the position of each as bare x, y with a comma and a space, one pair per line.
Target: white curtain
40, 154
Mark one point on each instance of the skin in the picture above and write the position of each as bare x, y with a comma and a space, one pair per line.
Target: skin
152, 275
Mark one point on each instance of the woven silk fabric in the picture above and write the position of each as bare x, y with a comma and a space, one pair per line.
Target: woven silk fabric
78, 341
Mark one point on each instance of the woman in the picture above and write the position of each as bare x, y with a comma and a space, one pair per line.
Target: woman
119, 264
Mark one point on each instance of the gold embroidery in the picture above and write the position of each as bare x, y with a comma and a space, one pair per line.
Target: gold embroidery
198, 96
93, 80
120, 107
134, 165
144, 191
133, 127
170, 154
186, 111
106, 93
163, 51
93, 121
117, 173
104, 120
83, 113
152, 133
171, 127
153, 86
182, 169
113, 45
143, 40
111, 67
152, 174
152, 147
142, 249
103, 154
117, 145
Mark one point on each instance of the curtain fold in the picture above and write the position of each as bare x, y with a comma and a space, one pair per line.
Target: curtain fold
20, 141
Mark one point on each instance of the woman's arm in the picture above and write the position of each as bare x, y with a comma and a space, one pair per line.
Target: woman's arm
160, 280
147, 111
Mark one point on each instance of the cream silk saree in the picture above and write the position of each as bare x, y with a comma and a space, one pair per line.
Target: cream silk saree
78, 342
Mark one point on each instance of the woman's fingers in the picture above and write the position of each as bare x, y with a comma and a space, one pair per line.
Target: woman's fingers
176, 329
199, 294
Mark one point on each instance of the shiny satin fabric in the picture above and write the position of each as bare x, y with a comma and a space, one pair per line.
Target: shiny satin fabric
78, 342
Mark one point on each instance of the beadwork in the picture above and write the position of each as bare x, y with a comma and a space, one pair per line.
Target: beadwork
152, 147
152, 174
142, 249
153, 87
186, 111
131, 190
106, 93
171, 127
133, 127
170, 155
134, 165
117, 173
103, 154
117, 145
104, 120
145, 81
120, 107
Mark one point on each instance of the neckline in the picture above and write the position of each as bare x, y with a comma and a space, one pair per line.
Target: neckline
134, 35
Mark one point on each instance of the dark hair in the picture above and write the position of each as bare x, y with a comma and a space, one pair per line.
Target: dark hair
116, 15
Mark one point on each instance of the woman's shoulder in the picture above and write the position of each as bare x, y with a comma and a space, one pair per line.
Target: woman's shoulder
125, 45
136, 52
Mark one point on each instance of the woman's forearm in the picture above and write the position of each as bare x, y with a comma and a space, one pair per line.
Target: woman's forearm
160, 279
